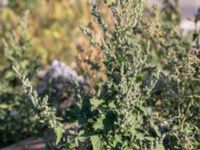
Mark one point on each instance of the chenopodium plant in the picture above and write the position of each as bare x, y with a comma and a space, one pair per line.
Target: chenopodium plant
122, 113
180, 101
123, 120
180, 95
44, 113
117, 116
14, 112
136, 91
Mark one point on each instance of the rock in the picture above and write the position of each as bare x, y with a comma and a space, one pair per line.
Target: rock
59, 69
60, 74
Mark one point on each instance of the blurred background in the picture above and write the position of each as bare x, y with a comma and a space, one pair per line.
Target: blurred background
54, 24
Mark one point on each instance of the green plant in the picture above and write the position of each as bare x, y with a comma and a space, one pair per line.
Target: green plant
40, 105
16, 115
123, 120
150, 99
114, 117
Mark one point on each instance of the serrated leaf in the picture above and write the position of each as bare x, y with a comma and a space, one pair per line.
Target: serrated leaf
117, 139
59, 133
160, 147
96, 142
112, 105
139, 136
96, 102
99, 123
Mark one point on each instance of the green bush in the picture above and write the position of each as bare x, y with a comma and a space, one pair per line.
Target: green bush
17, 119
150, 99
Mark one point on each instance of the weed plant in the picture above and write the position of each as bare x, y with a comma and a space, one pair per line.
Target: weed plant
150, 99
17, 120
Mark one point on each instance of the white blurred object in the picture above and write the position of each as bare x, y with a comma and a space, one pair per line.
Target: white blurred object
188, 25
4, 2
58, 70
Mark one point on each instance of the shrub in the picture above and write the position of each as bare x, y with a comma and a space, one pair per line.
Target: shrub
15, 114
150, 99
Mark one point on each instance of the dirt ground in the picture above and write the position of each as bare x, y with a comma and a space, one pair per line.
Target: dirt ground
27, 144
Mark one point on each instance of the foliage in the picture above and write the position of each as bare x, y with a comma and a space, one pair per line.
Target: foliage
126, 112
123, 121
40, 106
150, 96
16, 115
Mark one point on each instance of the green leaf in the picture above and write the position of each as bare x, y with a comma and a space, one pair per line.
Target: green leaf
96, 142
117, 139
109, 120
99, 124
139, 136
150, 139
135, 146
59, 133
6, 106
156, 129
160, 147
112, 105
96, 102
